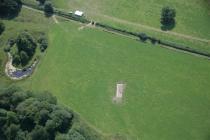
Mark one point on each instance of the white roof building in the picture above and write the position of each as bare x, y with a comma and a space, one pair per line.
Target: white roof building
79, 13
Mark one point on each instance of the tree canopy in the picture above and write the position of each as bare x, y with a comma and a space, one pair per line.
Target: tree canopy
26, 46
26, 115
48, 8
9, 8
41, 1
168, 18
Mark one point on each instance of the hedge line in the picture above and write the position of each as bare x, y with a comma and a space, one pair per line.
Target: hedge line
184, 48
71, 16
144, 37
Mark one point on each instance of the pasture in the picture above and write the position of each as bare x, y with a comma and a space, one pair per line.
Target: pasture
192, 21
192, 15
166, 95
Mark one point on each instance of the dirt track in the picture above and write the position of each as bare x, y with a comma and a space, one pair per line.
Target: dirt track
156, 29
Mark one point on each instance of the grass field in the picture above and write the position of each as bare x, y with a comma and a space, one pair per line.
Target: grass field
167, 92
192, 15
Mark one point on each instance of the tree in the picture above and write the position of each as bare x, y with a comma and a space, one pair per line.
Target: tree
11, 131
2, 27
16, 60
26, 116
24, 57
39, 133
43, 43
25, 42
9, 8
168, 18
48, 8
41, 1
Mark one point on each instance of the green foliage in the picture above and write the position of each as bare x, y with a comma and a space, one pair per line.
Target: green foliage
9, 8
43, 43
25, 42
168, 17
26, 46
39, 133
25, 115
2, 27
74, 135
24, 57
48, 8
16, 59
143, 36
41, 1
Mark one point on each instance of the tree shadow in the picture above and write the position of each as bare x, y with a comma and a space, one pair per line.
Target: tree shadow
48, 15
168, 27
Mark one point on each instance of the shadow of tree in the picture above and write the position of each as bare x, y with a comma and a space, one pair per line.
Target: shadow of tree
48, 15
168, 27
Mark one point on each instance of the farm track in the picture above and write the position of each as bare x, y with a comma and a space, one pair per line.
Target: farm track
144, 26
155, 29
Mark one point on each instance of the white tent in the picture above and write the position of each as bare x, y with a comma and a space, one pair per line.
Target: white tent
79, 13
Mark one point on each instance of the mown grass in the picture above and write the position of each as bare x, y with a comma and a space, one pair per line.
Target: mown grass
192, 19
192, 15
167, 92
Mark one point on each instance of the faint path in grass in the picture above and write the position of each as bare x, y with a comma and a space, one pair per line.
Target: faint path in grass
154, 29
55, 19
35, 10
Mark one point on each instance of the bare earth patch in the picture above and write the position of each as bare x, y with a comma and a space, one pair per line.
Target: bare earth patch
120, 89
55, 19
86, 25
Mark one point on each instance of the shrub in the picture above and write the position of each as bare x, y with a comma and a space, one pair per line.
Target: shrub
2, 27
143, 37
153, 40
43, 43
16, 60
11, 42
7, 49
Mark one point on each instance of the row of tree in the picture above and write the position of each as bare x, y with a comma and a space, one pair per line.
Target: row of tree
34, 116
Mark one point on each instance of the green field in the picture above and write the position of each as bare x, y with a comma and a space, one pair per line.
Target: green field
167, 92
192, 15
192, 19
